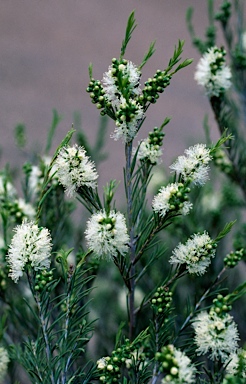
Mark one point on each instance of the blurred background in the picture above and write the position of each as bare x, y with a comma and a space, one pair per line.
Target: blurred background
46, 47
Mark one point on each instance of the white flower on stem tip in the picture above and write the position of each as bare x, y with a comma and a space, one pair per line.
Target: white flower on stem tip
128, 72
212, 72
30, 244
217, 336
193, 166
75, 170
106, 234
148, 151
4, 360
121, 87
166, 199
196, 253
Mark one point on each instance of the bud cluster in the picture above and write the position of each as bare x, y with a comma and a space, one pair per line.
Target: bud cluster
219, 60
221, 305
108, 223
97, 95
232, 259
162, 299
154, 86
42, 279
110, 366
150, 148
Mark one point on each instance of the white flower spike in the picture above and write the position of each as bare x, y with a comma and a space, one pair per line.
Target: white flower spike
75, 170
212, 72
107, 235
30, 244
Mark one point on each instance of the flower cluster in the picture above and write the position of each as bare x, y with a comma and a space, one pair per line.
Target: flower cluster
121, 89
4, 360
172, 198
176, 366
196, 253
106, 234
232, 259
194, 166
122, 76
75, 170
150, 148
30, 244
212, 72
216, 335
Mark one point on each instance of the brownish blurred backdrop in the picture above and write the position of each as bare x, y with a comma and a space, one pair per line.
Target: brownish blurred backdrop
46, 47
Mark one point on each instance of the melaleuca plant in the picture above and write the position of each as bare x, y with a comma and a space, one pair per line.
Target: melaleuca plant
50, 325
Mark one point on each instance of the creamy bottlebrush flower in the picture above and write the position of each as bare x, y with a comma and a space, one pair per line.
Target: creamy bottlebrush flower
75, 170
196, 253
176, 365
150, 152
30, 244
4, 360
167, 199
193, 166
121, 87
107, 235
129, 73
212, 72
215, 335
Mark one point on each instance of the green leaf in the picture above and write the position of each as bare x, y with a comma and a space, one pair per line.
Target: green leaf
221, 141
165, 122
148, 54
20, 135
185, 63
225, 230
90, 68
55, 121
131, 25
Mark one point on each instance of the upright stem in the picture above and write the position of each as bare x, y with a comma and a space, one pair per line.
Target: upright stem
128, 152
43, 323
46, 339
